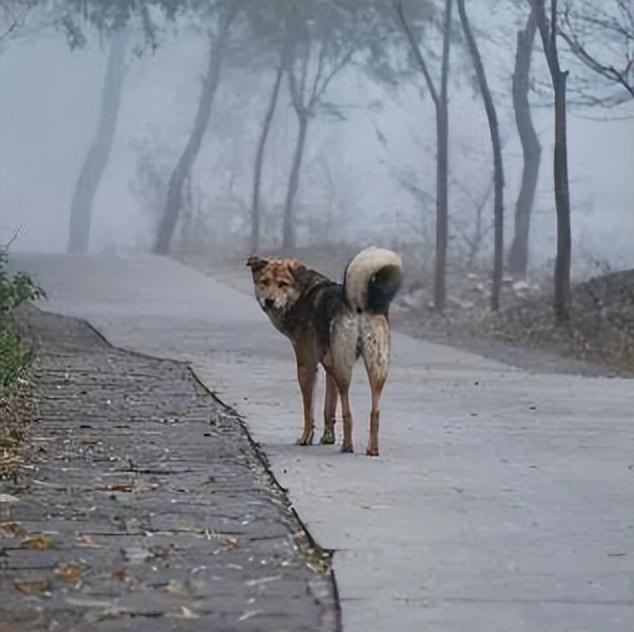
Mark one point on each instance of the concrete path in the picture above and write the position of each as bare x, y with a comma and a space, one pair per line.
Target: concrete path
502, 500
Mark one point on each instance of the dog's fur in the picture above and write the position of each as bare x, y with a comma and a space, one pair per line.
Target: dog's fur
333, 324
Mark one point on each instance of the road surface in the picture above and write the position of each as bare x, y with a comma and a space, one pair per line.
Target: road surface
502, 500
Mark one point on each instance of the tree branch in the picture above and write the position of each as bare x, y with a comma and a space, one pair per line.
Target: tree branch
12, 18
398, 5
320, 69
572, 33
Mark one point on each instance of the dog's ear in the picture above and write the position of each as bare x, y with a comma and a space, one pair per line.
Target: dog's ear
297, 269
257, 264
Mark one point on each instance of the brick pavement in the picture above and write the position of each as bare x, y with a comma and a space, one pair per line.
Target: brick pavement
147, 507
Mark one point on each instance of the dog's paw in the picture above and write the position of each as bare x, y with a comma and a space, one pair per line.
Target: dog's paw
372, 452
328, 438
305, 440
347, 447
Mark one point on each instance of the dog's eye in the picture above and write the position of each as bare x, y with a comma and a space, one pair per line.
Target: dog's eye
282, 285
264, 282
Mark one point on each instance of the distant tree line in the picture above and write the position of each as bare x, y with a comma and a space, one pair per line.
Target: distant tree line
306, 44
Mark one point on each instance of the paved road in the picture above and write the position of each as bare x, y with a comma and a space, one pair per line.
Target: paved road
502, 500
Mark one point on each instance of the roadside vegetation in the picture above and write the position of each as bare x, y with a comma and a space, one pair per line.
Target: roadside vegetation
15, 357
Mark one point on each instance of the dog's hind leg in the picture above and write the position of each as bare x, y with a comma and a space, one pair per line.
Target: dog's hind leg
344, 387
376, 354
330, 411
376, 386
344, 352
307, 377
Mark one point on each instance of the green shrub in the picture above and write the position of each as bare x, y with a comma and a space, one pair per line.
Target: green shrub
15, 289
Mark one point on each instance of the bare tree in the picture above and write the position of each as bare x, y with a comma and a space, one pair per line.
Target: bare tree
297, 86
498, 169
321, 45
601, 36
259, 154
97, 158
174, 197
531, 149
439, 98
548, 34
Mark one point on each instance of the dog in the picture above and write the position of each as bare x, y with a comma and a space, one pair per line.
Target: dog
333, 324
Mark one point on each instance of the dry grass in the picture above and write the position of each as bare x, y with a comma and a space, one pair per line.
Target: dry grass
601, 327
600, 332
16, 410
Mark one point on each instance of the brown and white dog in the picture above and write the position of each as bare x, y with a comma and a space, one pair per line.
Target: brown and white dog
333, 324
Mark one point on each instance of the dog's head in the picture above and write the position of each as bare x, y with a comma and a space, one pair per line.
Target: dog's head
276, 282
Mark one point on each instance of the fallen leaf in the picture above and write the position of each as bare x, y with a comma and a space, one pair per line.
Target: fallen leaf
86, 541
89, 440
13, 529
159, 552
40, 542
185, 613
136, 554
178, 587
233, 543
263, 580
69, 573
129, 488
34, 586
190, 588
250, 614
120, 575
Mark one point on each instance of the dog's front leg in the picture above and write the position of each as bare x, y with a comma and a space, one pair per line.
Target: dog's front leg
307, 376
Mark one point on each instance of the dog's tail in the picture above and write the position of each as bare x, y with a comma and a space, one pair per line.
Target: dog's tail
372, 279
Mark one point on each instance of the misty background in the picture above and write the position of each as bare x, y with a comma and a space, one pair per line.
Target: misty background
359, 165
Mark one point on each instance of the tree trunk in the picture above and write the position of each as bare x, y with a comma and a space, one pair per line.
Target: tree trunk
442, 168
548, 35
289, 238
562, 202
442, 215
97, 157
531, 151
259, 158
442, 146
498, 170
174, 197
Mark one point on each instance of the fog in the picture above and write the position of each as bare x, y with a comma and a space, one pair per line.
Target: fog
352, 170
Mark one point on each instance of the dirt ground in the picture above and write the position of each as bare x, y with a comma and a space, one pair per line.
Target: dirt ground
598, 341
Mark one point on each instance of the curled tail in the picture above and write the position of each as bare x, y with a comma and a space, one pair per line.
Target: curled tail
372, 279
